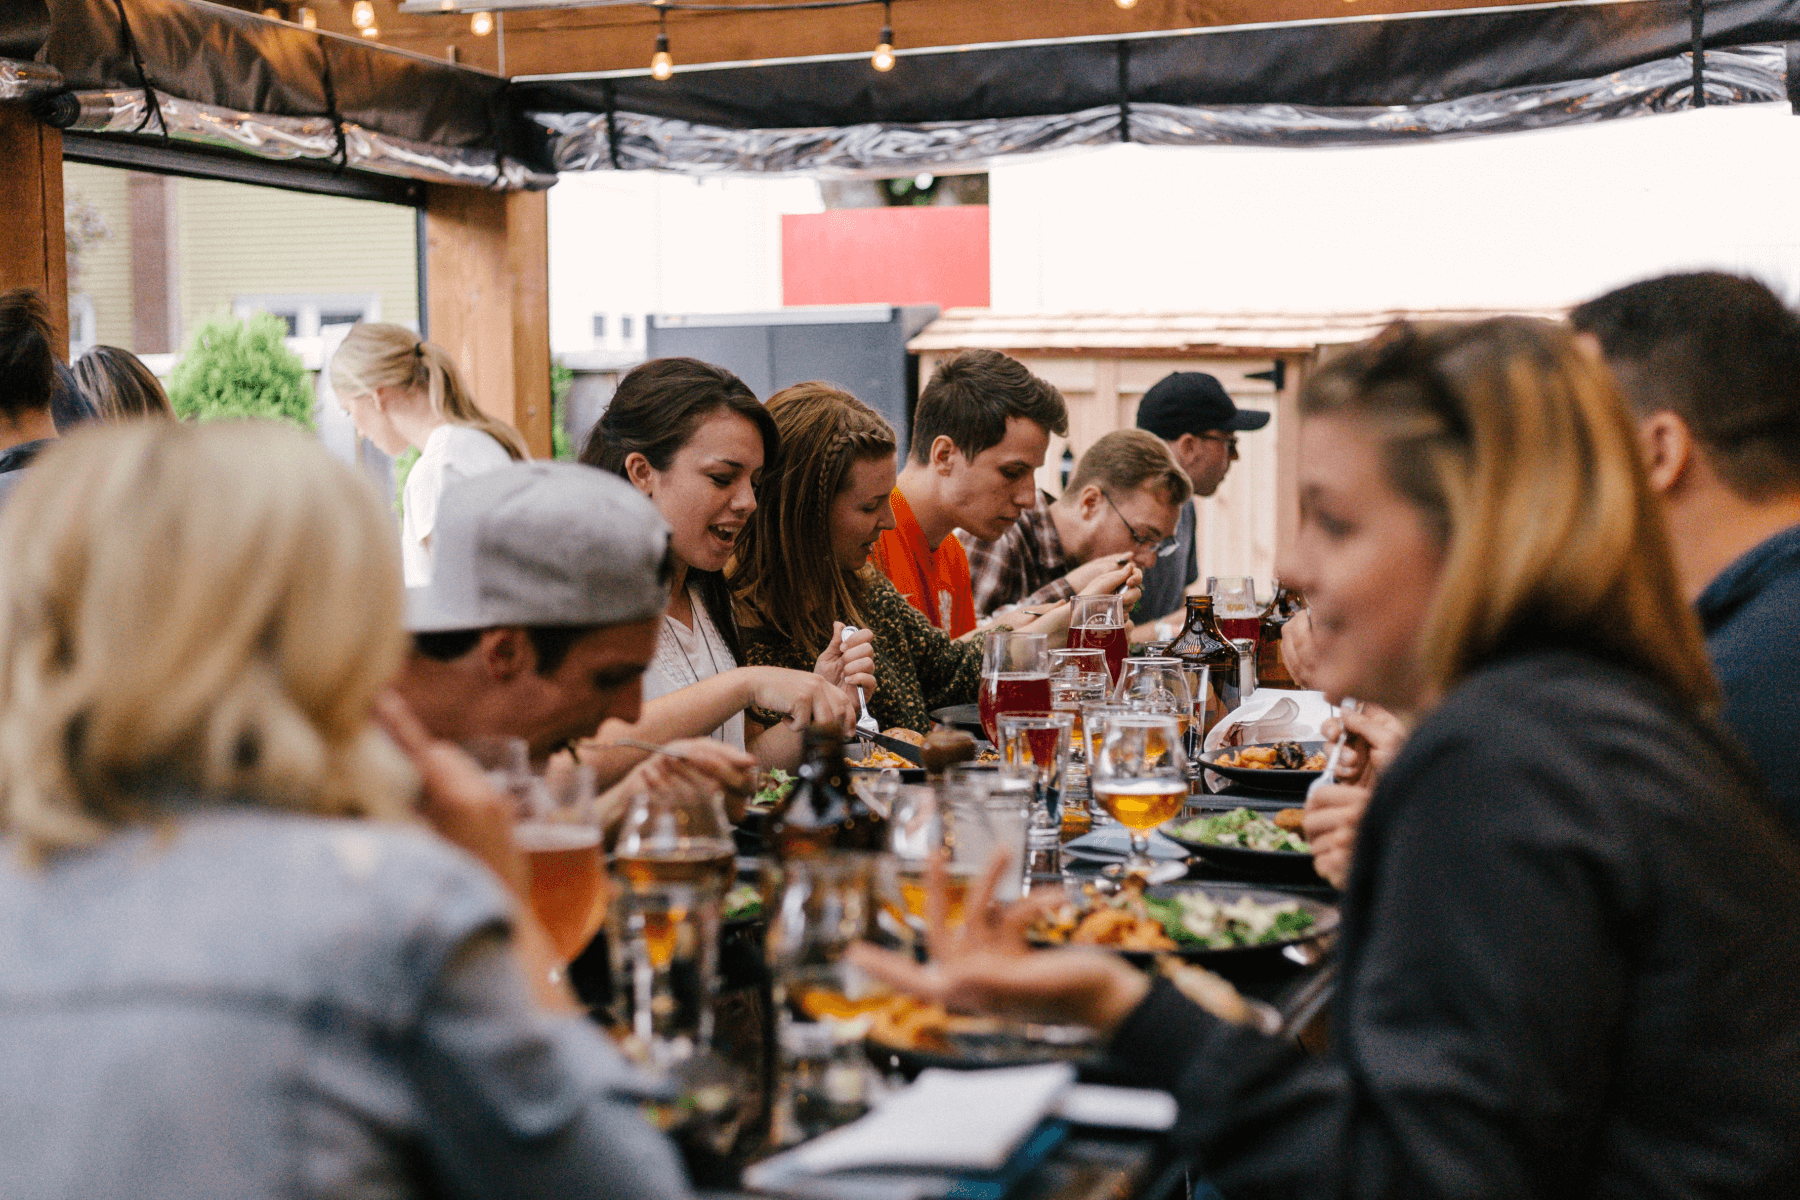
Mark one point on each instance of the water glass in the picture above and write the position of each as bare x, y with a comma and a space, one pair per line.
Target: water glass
672, 865
988, 815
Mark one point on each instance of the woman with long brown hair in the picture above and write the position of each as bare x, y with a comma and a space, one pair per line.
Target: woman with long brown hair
802, 563
1566, 960
402, 391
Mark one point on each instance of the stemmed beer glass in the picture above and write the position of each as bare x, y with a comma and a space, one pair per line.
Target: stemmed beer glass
1015, 677
1140, 776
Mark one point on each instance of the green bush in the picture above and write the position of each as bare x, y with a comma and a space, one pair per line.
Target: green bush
236, 368
561, 380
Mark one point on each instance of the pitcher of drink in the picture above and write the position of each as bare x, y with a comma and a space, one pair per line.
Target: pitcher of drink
1101, 623
672, 866
1015, 677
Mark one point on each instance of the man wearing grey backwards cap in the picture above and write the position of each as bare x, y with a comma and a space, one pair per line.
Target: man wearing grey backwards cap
1191, 411
549, 581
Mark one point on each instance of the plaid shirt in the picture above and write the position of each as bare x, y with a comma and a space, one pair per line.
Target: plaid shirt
1024, 565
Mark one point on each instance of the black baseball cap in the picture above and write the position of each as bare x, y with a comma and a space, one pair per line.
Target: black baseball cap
1192, 402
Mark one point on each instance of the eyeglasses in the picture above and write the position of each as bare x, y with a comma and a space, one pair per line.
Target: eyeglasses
1230, 440
1165, 546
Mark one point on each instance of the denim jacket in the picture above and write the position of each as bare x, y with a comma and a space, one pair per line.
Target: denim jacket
246, 1004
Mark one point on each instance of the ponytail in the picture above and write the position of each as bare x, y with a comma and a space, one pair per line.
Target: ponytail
376, 355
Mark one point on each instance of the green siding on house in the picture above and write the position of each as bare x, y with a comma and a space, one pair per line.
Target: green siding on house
235, 239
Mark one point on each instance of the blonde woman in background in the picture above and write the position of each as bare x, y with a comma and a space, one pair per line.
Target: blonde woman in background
403, 391
233, 960
120, 386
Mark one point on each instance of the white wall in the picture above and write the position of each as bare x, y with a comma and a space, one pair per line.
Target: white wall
643, 242
1535, 219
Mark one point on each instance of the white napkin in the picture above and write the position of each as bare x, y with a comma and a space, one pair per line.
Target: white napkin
947, 1120
1314, 712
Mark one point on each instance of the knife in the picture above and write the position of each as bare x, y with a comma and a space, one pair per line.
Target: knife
906, 750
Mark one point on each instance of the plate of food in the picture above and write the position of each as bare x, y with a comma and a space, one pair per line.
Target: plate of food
1266, 844
1269, 766
1210, 923
908, 1035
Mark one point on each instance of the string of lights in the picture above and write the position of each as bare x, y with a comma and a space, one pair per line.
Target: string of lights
662, 63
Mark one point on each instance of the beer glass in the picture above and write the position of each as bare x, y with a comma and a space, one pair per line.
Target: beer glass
1234, 604
1100, 623
1015, 677
1158, 685
988, 815
1140, 777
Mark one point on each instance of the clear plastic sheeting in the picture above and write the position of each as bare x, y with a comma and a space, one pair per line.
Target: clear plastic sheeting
21, 80
288, 138
580, 141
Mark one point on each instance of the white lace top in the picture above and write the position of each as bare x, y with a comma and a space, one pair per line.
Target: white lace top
686, 656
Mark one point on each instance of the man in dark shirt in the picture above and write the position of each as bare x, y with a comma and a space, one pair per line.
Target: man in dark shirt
27, 382
1711, 364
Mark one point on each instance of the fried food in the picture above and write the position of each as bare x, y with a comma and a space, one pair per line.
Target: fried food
1290, 819
910, 736
1277, 756
907, 1023
878, 759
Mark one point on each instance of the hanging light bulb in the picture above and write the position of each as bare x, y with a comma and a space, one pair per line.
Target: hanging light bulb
308, 18
883, 58
371, 32
1126, 3
362, 15
481, 24
662, 63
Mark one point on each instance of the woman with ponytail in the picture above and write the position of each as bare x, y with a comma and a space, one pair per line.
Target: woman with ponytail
403, 391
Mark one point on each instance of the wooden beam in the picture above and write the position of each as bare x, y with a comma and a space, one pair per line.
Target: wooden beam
487, 268
32, 250
562, 40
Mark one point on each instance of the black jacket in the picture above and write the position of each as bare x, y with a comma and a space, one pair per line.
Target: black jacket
1570, 968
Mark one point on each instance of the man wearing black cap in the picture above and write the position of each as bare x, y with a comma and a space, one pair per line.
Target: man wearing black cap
1192, 413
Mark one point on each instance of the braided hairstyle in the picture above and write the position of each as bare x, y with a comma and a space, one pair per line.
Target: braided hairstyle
783, 575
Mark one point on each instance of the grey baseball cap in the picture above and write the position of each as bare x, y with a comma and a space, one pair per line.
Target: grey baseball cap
542, 543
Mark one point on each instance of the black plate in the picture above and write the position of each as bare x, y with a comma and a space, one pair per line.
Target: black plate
1291, 865
975, 1052
1325, 921
966, 717
1267, 781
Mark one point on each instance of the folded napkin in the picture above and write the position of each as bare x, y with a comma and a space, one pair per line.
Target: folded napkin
1309, 711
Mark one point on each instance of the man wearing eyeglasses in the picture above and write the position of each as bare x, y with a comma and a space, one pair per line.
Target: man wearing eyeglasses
1121, 506
1191, 412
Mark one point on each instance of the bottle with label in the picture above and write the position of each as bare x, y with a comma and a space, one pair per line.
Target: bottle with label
823, 812
1203, 644
1269, 667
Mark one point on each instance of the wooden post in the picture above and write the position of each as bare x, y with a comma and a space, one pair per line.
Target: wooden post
487, 285
32, 251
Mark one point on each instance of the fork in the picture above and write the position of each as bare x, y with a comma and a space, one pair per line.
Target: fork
866, 723
1329, 774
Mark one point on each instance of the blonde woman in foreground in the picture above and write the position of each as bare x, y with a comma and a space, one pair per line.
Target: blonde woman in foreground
234, 961
1566, 963
403, 391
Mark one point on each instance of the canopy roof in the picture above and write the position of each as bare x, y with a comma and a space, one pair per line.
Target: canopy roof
794, 90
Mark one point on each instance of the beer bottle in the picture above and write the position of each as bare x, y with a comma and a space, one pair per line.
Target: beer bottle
1203, 643
823, 813
1269, 667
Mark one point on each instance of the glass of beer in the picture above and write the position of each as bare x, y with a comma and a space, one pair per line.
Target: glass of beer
1140, 776
1099, 623
1234, 603
917, 833
1035, 747
672, 865
1158, 685
1015, 677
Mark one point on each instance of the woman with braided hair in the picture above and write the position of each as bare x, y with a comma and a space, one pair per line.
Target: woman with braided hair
802, 563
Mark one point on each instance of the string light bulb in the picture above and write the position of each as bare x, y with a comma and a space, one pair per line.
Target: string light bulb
370, 31
308, 18
481, 24
662, 63
362, 15
883, 58
1126, 3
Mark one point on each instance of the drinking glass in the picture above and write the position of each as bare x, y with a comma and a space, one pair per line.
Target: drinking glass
1077, 677
1100, 623
673, 863
1035, 747
557, 826
1158, 685
1093, 716
1015, 677
988, 815
1234, 603
1140, 777
918, 831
